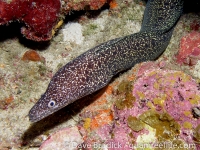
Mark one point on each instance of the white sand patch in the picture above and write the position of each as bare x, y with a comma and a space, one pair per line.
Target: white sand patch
72, 33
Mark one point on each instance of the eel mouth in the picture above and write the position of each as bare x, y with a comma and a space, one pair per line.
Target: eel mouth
34, 118
35, 115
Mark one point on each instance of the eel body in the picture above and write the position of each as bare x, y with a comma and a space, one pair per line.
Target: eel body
94, 69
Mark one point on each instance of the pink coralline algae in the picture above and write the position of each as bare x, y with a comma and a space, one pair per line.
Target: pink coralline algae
164, 109
189, 52
172, 92
42, 17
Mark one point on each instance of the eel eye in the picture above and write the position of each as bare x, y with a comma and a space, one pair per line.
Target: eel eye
51, 104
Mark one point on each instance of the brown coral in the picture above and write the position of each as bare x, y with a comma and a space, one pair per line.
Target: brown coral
32, 55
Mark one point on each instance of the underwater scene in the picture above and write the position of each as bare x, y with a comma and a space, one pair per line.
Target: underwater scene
99, 75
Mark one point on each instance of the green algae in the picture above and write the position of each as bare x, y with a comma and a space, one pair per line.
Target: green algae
125, 89
124, 86
166, 127
59, 65
135, 124
79, 1
42, 69
93, 26
90, 29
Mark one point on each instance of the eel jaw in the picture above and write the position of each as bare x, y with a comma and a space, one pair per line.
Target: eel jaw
35, 115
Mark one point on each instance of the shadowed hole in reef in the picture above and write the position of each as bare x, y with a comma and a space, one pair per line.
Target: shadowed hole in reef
191, 6
13, 31
10, 31
75, 15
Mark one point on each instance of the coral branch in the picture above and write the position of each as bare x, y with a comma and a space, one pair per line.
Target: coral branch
41, 17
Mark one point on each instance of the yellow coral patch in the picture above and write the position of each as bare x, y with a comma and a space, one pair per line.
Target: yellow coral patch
156, 85
56, 27
152, 73
159, 100
195, 100
187, 113
150, 105
187, 125
141, 95
87, 123
170, 93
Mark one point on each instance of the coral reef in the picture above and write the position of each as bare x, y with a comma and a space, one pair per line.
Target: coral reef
43, 17
99, 122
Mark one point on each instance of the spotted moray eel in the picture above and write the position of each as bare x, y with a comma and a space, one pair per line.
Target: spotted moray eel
94, 69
